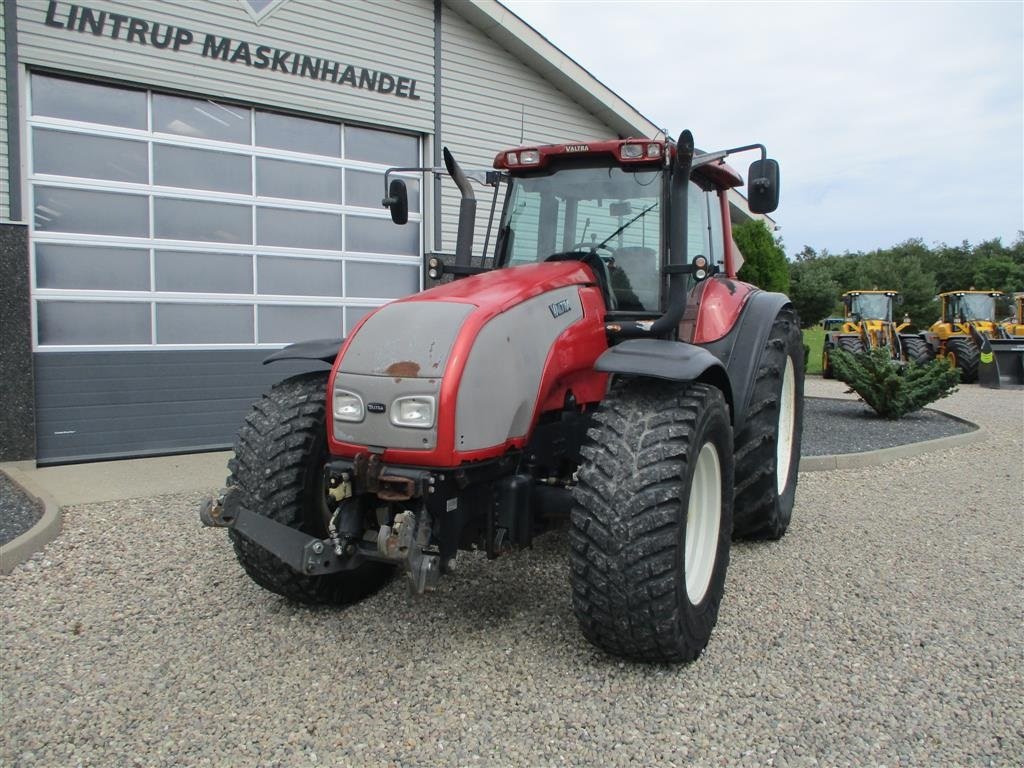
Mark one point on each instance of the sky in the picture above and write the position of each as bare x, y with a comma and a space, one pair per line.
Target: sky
890, 121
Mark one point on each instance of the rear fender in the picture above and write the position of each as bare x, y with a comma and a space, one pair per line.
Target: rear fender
315, 349
668, 360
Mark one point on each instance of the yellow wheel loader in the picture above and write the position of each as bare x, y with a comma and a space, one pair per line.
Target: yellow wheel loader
867, 323
1013, 327
968, 336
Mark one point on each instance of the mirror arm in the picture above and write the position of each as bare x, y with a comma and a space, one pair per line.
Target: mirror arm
711, 157
388, 200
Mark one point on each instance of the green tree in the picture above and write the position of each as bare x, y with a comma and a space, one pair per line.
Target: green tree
813, 291
764, 260
894, 390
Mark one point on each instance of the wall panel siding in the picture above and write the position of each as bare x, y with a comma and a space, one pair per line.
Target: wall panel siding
5, 176
94, 405
348, 31
490, 101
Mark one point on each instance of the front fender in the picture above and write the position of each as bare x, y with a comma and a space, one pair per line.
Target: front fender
670, 360
315, 349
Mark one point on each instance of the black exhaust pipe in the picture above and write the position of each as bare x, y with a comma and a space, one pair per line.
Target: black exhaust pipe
467, 212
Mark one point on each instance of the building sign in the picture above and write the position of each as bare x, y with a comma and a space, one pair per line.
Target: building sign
132, 30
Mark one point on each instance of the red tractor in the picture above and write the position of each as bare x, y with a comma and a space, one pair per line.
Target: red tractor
603, 365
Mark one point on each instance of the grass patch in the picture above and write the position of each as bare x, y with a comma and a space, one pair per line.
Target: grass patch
815, 339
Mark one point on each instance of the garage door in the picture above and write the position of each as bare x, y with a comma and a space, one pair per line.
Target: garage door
176, 240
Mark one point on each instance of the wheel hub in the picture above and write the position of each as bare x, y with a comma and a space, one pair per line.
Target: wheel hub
703, 517
787, 422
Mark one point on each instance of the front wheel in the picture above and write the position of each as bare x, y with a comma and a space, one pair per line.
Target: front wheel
963, 354
768, 443
277, 470
650, 527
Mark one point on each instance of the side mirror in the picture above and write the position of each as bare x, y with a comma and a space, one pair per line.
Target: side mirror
763, 186
398, 201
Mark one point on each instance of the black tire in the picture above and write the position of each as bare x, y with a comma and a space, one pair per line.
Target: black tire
916, 350
763, 509
277, 470
851, 344
628, 530
964, 355
826, 364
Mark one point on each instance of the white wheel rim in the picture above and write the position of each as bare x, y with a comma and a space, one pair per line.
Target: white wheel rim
787, 418
703, 517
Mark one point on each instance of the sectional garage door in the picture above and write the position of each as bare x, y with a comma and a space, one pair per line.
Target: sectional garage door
176, 240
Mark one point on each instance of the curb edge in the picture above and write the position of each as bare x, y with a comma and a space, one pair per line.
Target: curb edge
46, 529
884, 455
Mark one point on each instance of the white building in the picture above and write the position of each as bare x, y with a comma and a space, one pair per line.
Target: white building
188, 185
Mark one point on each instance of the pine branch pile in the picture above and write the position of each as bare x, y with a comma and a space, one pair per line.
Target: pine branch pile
891, 389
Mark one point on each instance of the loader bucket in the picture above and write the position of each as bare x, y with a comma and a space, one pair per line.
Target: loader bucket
1002, 363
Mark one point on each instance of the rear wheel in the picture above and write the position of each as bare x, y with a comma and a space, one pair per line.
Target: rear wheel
916, 350
651, 522
277, 470
962, 354
768, 444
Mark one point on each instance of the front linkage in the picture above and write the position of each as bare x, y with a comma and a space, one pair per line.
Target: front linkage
418, 519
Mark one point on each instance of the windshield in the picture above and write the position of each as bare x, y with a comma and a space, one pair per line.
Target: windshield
871, 306
973, 307
612, 210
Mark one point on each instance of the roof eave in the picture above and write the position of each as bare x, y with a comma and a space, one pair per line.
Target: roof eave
548, 60
544, 57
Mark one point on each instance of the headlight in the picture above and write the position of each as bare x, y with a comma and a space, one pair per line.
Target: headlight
632, 151
348, 406
416, 411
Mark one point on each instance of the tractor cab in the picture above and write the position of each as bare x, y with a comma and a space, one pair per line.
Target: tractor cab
969, 306
869, 305
1013, 326
650, 218
608, 204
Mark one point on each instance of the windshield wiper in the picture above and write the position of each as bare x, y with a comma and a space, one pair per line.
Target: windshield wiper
621, 229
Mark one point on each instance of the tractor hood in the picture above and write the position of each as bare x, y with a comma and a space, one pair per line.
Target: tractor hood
474, 359
503, 288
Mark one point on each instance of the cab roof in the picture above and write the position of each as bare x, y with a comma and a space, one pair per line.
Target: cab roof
994, 294
649, 153
858, 293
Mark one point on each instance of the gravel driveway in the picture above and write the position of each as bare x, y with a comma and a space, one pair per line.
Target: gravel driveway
887, 628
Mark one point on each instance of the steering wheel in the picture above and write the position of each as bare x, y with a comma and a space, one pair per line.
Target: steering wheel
594, 247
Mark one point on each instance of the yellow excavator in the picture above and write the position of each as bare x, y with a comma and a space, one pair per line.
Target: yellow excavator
867, 324
968, 336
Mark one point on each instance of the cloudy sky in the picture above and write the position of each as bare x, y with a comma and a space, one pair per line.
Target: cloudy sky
890, 120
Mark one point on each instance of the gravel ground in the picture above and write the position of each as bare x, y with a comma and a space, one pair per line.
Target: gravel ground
887, 628
848, 426
18, 512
